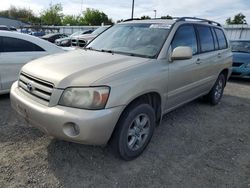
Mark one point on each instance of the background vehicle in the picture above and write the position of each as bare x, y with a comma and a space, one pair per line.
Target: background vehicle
13, 28
117, 89
241, 58
4, 28
37, 33
16, 49
53, 36
66, 41
82, 40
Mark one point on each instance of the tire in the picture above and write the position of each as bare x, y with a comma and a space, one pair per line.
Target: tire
216, 93
134, 131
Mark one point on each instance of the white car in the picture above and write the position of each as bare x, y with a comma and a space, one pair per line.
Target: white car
16, 49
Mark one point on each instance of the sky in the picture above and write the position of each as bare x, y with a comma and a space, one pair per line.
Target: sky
217, 10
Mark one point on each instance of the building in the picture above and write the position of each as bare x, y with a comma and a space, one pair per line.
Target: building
235, 32
11, 22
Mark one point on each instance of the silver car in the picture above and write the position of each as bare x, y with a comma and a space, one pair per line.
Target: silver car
82, 40
16, 49
117, 89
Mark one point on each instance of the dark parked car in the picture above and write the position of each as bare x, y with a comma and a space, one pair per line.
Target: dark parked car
66, 42
241, 58
13, 28
53, 36
37, 33
4, 28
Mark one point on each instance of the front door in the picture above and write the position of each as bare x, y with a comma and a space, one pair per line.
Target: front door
182, 74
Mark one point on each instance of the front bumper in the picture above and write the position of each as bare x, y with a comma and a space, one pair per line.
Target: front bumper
242, 71
76, 125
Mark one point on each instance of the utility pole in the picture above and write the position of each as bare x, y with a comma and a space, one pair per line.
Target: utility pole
81, 6
155, 12
133, 4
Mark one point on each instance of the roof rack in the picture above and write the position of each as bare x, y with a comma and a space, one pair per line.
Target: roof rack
178, 19
196, 19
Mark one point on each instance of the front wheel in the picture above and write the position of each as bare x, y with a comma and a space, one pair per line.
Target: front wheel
215, 95
134, 131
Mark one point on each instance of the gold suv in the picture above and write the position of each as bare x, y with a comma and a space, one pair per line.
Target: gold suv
117, 88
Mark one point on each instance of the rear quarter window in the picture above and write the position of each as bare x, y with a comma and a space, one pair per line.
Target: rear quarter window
221, 38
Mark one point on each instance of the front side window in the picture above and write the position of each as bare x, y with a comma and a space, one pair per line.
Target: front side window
134, 39
221, 38
185, 36
206, 38
10, 44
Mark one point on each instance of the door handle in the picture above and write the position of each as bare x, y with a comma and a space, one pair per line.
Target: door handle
219, 55
198, 61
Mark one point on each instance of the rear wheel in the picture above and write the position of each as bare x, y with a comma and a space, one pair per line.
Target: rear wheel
134, 131
215, 95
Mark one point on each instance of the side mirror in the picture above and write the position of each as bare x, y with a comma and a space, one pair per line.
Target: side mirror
181, 53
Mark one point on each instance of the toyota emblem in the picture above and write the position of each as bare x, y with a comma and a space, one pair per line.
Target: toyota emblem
29, 86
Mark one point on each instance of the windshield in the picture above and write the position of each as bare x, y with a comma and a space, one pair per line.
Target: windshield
143, 40
240, 46
99, 30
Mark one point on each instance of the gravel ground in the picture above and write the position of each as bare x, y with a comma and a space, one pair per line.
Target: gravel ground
197, 145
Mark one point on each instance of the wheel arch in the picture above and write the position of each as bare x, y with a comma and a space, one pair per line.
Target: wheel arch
152, 98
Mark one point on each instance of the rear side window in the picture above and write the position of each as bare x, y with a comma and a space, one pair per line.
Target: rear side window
185, 36
206, 38
221, 38
10, 44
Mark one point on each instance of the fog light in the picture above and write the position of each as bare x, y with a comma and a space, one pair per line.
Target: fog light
71, 129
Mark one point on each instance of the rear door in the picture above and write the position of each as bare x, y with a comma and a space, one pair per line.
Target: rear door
208, 59
15, 53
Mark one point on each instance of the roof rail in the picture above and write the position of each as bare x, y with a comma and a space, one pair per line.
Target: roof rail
178, 19
196, 19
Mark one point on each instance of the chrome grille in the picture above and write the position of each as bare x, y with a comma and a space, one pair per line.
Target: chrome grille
74, 42
36, 87
82, 43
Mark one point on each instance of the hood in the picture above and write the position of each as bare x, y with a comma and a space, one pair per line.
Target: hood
80, 67
241, 57
62, 39
85, 37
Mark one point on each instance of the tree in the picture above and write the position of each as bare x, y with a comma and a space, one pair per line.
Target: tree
167, 17
145, 18
238, 19
23, 14
94, 17
53, 15
71, 20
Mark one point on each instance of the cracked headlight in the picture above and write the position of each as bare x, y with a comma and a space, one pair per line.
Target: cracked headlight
92, 98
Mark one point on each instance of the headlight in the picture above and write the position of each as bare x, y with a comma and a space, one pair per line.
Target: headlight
64, 42
93, 98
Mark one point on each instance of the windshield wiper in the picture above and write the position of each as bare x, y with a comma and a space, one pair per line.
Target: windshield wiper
240, 51
133, 54
108, 51
90, 48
